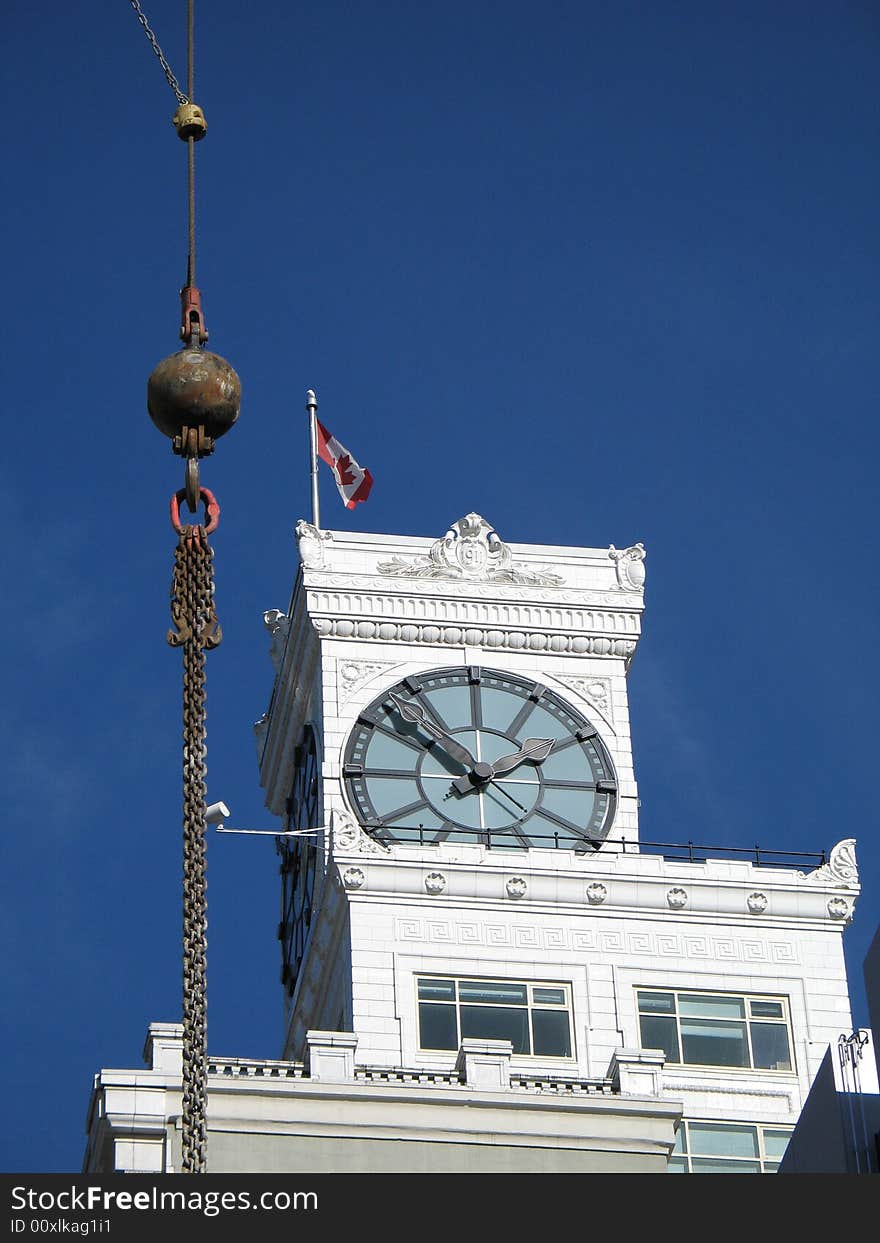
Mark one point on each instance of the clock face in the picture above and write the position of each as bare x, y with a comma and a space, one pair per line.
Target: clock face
474, 755
299, 857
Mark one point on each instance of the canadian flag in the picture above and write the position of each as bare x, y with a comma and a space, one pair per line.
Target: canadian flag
353, 481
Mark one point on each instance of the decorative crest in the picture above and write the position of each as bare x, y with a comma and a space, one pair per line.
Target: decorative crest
471, 550
630, 566
310, 541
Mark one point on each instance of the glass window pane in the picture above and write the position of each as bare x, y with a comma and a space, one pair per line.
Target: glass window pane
542, 724
437, 1026
680, 1140
717, 1165
545, 833
659, 1033
497, 1023
775, 1142
568, 764
499, 708
435, 990
714, 1044
770, 1046
657, 1003
711, 1139
702, 1006
496, 991
549, 996
551, 1032
507, 801
574, 805
766, 1009
385, 752
677, 1165
389, 793
453, 703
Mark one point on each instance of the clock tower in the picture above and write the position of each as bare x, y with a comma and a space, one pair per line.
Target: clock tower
484, 968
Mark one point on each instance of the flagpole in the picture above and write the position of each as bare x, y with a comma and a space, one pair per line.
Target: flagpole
312, 406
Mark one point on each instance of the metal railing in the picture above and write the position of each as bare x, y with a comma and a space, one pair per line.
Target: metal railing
687, 852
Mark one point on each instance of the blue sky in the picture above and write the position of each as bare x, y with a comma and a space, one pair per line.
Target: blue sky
602, 273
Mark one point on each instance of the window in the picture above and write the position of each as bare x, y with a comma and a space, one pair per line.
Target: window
716, 1029
728, 1148
534, 1017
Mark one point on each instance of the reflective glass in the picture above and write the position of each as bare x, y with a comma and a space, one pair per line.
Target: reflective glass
574, 805
545, 833
505, 802
709, 1139
542, 724
551, 1033
492, 990
659, 1032
549, 996
453, 703
435, 990
567, 764
677, 1165
497, 1023
775, 1142
499, 707
766, 1009
717, 1165
657, 1003
437, 1028
706, 1043
389, 793
770, 1046
702, 1006
385, 752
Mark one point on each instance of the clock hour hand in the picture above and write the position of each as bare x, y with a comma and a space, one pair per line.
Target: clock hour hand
415, 714
534, 749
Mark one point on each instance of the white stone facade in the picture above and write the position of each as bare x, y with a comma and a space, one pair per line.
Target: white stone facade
371, 610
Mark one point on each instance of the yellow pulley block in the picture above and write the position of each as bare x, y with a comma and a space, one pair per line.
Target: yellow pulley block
189, 121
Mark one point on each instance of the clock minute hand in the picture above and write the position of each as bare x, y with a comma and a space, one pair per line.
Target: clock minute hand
416, 715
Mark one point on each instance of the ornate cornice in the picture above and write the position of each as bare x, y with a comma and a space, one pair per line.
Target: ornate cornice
320, 581
473, 636
471, 550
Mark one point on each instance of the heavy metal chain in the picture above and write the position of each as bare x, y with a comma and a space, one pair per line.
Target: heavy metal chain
172, 81
196, 629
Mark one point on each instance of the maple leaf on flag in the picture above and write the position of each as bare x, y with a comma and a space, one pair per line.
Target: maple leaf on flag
354, 482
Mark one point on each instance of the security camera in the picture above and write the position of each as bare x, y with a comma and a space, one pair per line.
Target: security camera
217, 813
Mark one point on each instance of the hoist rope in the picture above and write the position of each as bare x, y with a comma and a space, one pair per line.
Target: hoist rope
181, 99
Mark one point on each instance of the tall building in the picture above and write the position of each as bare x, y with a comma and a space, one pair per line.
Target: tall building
484, 967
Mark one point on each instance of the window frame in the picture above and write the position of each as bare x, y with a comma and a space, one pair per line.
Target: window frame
685, 1155
531, 1005
748, 1018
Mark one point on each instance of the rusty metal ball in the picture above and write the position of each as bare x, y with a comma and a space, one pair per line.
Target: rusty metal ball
194, 388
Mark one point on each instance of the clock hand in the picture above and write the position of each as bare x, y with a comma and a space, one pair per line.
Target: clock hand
416, 715
534, 749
